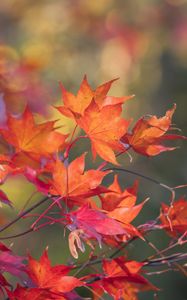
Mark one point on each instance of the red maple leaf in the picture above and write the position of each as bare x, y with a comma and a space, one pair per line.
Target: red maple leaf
50, 282
174, 219
75, 184
21, 293
89, 223
149, 133
52, 279
120, 205
11, 263
4, 199
5, 168
115, 196
122, 279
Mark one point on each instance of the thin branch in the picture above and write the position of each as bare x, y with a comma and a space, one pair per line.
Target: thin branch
166, 259
168, 248
139, 175
16, 235
25, 212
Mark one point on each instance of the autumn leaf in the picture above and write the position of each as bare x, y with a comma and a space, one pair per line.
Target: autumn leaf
35, 140
75, 184
3, 247
11, 263
149, 133
120, 205
91, 223
5, 168
115, 196
124, 213
4, 199
3, 284
103, 130
101, 98
51, 283
21, 293
48, 279
92, 111
174, 219
20, 164
122, 279
76, 105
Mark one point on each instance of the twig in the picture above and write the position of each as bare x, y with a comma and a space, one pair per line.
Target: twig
23, 214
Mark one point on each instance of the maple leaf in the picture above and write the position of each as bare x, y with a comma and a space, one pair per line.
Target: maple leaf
122, 279
174, 219
5, 171
28, 138
3, 284
11, 263
3, 247
149, 133
120, 205
103, 130
20, 164
89, 223
73, 182
21, 293
115, 196
76, 105
101, 98
4, 198
34, 177
52, 283
5, 168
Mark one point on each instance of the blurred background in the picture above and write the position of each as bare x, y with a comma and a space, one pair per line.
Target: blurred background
144, 42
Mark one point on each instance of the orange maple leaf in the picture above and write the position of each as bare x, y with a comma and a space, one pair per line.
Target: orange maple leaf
76, 105
101, 98
51, 282
174, 219
53, 278
30, 139
75, 184
120, 205
104, 127
122, 279
115, 196
149, 133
